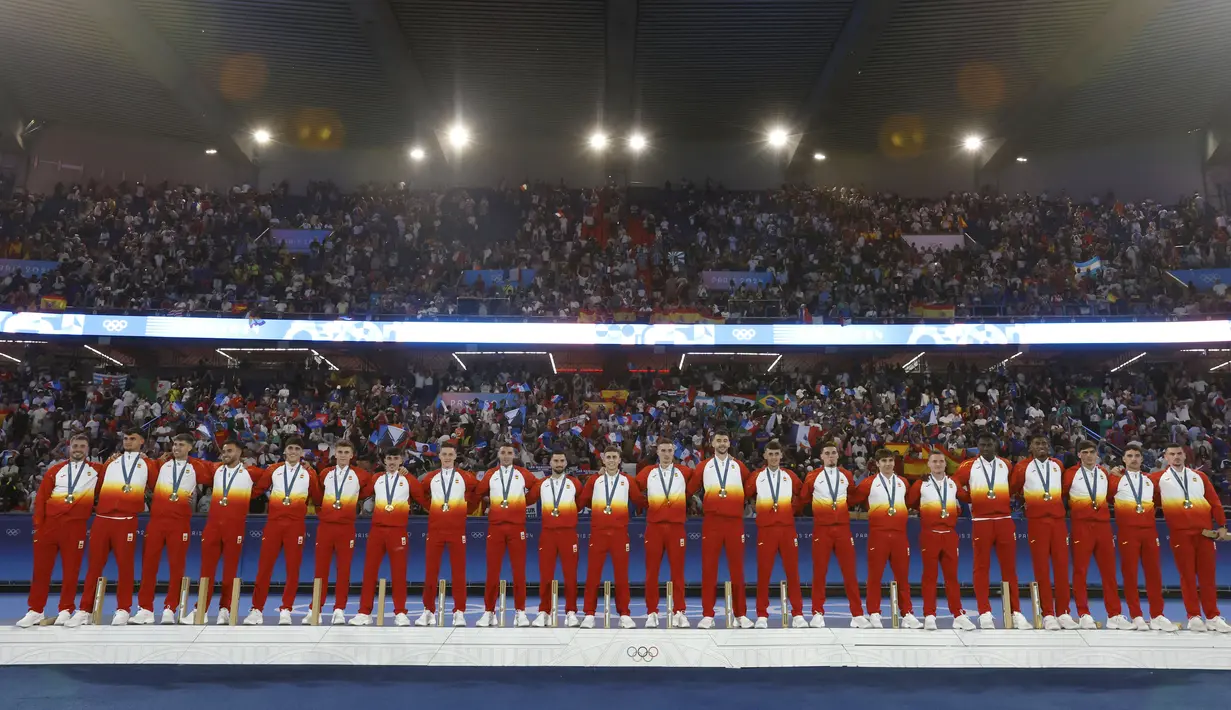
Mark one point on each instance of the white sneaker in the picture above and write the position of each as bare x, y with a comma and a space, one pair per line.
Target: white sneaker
706, 622
588, 622
963, 623
1218, 624
651, 620
284, 617
361, 620
1050, 623
307, 619
987, 621
255, 618
818, 621
142, 617
63, 617
427, 618
1020, 623
121, 618
32, 618
400, 619
338, 618
520, 620
459, 618
81, 617
168, 617
876, 621
861, 622
570, 620
1086, 622
1140, 624
540, 620
1067, 623
744, 622
680, 620
799, 622
1119, 623
1162, 623
929, 622
626, 622
909, 621
1196, 623
486, 619
761, 623
224, 617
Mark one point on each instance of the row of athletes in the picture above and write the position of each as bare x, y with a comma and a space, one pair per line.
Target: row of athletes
115, 493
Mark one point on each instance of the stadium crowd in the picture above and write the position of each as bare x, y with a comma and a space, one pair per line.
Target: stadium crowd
863, 408
603, 253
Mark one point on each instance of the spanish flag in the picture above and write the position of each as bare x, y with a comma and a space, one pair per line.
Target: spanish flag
53, 303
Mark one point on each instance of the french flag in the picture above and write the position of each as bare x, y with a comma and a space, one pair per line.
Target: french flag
615, 437
749, 426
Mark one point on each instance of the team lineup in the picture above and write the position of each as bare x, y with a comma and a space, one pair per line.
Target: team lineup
1083, 497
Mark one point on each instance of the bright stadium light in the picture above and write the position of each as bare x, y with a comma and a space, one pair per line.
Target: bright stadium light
598, 140
459, 136
417, 154
778, 137
211, 151
261, 136
818, 156
972, 143
1021, 158
637, 142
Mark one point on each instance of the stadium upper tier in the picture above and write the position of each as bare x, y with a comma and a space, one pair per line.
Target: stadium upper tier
690, 254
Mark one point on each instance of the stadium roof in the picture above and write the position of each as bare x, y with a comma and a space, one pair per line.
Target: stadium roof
894, 76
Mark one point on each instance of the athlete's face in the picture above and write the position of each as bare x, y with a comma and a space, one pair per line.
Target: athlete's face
1175, 457
1088, 457
988, 448
773, 457
505, 456
448, 457
343, 455
829, 456
559, 462
886, 465
78, 449
392, 462
1132, 460
133, 442
722, 444
666, 454
611, 461
181, 449
230, 454
294, 452
1039, 448
936, 463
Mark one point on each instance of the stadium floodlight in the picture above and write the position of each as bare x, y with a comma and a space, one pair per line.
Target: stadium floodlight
262, 136
459, 136
598, 140
417, 154
972, 143
637, 142
211, 151
778, 137
1021, 158
818, 156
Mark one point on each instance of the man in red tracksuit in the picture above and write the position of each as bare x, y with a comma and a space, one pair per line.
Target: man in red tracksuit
339, 491
61, 514
885, 494
510, 489
291, 485
1132, 493
722, 529
449, 492
120, 499
774, 492
936, 497
610, 495
234, 486
1039, 480
667, 487
170, 526
392, 492
825, 490
985, 479
558, 494
1086, 487
1195, 519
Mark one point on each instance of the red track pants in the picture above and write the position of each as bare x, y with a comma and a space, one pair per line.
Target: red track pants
722, 535
499, 538
668, 538
64, 539
227, 542
778, 540
1000, 534
279, 536
1093, 537
604, 543
335, 539
1049, 555
436, 544
558, 544
1195, 560
384, 540
888, 546
107, 535
1140, 546
939, 550
834, 539
174, 536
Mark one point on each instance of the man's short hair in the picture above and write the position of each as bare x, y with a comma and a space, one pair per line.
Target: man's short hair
882, 454
1133, 447
773, 446
292, 441
133, 431
344, 444
1173, 445
448, 445
612, 450
1086, 445
186, 438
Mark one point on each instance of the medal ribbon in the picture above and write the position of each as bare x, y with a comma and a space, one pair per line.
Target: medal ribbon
942, 491
507, 480
390, 490
288, 482
608, 482
228, 480
128, 475
991, 480
833, 485
774, 479
1182, 479
74, 480
557, 495
1139, 490
891, 491
447, 489
1045, 479
1091, 489
177, 476
722, 473
662, 479
339, 482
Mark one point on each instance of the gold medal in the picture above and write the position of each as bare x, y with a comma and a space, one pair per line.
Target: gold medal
555, 513
991, 495
223, 502
893, 511
1140, 509
1047, 496
337, 505
69, 499
607, 510
775, 507
389, 508
722, 493
1188, 504
1094, 506
834, 505
286, 501
444, 508
175, 497
128, 488
944, 513
504, 504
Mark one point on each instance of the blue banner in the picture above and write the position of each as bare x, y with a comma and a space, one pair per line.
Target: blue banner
299, 241
500, 401
1203, 279
731, 280
27, 267
497, 277
17, 559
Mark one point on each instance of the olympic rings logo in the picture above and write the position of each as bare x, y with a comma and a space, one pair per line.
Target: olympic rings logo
115, 326
641, 654
744, 333
12, 532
